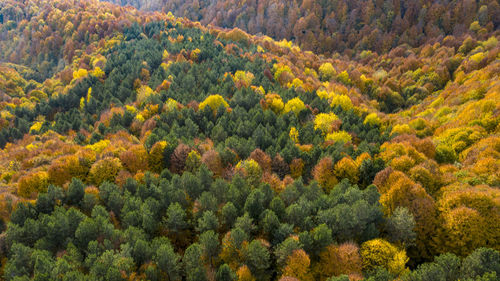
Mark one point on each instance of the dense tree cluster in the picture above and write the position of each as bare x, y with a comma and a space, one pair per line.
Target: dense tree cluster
343, 26
160, 149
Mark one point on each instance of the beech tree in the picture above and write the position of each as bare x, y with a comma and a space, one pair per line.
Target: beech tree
298, 266
379, 252
104, 170
324, 174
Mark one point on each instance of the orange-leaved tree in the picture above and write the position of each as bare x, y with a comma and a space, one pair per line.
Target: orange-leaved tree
298, 266
336, 260
324, 174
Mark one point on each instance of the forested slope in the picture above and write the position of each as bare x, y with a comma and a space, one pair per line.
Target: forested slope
343, 26
140, 146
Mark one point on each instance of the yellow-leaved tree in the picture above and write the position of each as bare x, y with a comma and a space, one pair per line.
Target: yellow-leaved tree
347, 168
193, 161
298, 266
341, 100
156, 156
283, 74
379, 252
326, 71
296, 83
104, 170
468, 220
143, 93
372, 119
242, 79
170, 105
32, 183
244, 274
464, 230
273, 102
340, 136
251, 170
294, 134
97, 72
214, 102
343, 77
296, 105
135, 159
63, 169
80, 73
325, 122
35, 127
323, 173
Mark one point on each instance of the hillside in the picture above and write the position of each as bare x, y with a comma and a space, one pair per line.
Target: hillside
346, 27
141, 146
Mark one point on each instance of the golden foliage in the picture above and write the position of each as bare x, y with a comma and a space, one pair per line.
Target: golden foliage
296, 105
251, 170
80, 73
35, 127
298, 266
464, 231
338, 96
400, 129
283, 74
259, 90
325, 122
32, 183
337, 260
397, 190
378, 252
236, 35
340, 136
468, 218
324, 174
347, 168
164, 86
99, 146
327, 71
193, 161
390, 151
402, 163
143, 93
242, 79
63, 169
135, 159
97, 72
104, 170
156, 157
273, 102
296, 168
230, 253
294, 134
244, 274
296, 84
274, 181
372, 119
214, 102
195, 54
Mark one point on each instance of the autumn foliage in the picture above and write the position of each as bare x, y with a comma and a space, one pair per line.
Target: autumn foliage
324, 174
142, 146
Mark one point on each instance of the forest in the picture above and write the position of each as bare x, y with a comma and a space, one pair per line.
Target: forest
156, 145
347, 27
